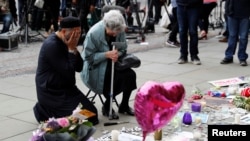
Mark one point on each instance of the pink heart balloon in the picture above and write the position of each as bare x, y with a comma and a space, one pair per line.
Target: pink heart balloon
156, 104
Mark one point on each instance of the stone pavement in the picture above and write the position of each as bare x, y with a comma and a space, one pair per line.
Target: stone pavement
159, 63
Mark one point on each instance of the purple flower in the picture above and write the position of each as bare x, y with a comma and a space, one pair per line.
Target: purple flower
53, 124
37, 135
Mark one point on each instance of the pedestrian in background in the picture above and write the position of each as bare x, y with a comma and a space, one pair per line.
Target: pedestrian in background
188, 16
85, 7
20, 7
7, 14
156, 5
225, 34
205, 11
172, 39
238, 13
52, 11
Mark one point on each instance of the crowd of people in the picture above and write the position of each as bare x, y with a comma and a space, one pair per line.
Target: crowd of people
192, 16
59, 58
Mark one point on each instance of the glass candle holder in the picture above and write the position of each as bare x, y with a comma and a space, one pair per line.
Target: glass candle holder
158, 135
187, 118
196, 107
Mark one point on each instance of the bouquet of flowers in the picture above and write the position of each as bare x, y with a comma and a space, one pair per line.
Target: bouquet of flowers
71, 128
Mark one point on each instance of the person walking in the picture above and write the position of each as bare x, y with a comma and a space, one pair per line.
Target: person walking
188, 16
238, 13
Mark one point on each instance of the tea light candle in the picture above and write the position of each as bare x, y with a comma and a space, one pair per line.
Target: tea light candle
197, 134
203, 104
196, 107
237, 118
114, 135
197, 120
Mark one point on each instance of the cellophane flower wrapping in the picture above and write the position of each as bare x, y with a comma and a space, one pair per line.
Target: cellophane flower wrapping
71, 128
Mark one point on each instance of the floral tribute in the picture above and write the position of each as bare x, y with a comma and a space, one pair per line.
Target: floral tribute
72, 128
242, 102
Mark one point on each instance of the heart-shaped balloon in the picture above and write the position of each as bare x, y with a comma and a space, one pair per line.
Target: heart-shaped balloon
156, 104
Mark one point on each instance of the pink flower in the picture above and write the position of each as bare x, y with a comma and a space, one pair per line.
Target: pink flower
63, 122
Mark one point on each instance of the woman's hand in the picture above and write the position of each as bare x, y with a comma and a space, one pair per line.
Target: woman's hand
113, 55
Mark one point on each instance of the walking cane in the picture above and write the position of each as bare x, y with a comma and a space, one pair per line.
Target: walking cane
115, 45
111, 86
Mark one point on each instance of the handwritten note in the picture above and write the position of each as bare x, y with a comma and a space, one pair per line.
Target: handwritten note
227, 82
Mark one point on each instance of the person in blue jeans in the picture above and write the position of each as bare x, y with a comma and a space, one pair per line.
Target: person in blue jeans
7, 14
172, 38
238, 13
188, 16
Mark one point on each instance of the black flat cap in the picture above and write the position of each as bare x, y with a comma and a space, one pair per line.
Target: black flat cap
69, 22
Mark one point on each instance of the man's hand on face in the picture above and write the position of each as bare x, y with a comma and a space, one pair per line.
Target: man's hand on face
73, 39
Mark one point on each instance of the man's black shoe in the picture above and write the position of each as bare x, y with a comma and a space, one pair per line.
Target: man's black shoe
127, 110
105, 112
243, 63
226, 61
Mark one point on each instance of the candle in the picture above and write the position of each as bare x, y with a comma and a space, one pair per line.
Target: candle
197, 134
114, 135
196, 107
158, 135
197, 120
187, 118
237, 118
203, 104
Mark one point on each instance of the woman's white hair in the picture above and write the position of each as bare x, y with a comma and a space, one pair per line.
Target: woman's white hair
114, 20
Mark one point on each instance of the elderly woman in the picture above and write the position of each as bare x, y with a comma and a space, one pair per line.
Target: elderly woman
98, 55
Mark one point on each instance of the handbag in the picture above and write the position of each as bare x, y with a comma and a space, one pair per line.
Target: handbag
39, 3
127, 61
165, 20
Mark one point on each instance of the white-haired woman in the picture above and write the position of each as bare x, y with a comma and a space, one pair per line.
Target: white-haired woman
98, 56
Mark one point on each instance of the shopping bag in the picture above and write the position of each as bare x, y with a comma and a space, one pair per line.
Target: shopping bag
165, 21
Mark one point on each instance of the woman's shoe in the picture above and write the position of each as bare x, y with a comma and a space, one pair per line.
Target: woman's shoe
128, 111
106, 113
204, 37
